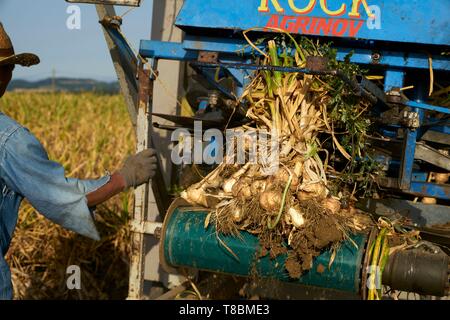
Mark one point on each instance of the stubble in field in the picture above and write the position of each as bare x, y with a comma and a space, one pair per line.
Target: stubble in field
88, 134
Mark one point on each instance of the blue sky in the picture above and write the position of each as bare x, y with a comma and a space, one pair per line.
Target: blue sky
39, 26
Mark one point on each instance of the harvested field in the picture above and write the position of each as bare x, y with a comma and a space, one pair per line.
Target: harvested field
88, 134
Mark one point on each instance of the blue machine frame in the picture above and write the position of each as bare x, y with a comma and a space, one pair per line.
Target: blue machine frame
396, 21
396, 48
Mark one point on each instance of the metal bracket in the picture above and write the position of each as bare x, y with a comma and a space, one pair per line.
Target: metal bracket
146, 227
208, 56
410, 119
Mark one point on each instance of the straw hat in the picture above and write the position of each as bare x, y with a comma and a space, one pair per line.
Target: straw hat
7, 56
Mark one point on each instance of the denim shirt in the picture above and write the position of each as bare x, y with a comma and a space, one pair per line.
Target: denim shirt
26, 172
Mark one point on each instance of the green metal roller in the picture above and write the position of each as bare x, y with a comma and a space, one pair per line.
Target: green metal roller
187, 243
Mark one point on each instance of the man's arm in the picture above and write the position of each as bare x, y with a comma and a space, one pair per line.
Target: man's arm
26, 169
138, 169
114, 186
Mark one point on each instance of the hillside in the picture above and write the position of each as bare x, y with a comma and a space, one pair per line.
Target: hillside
64, 85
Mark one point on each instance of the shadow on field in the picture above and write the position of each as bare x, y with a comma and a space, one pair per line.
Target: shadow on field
41, 273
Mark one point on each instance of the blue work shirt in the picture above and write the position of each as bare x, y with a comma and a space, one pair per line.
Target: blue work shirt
26, 172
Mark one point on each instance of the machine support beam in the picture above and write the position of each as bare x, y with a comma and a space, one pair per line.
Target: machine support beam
124, 71
138, 248
407, 162
433, 156
189, 48
150, 199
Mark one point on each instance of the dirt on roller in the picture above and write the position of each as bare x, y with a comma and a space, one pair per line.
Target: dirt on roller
323, 230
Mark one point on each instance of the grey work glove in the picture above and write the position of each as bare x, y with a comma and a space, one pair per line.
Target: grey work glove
139, 168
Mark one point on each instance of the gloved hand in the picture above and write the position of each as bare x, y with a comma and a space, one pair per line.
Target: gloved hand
139, 168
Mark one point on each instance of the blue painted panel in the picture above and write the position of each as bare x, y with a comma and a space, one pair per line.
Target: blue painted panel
440, 191
414, 21
188, 50
409, 149
419, 176
424, 106
442, 129
165, 50
393, 79
362, 56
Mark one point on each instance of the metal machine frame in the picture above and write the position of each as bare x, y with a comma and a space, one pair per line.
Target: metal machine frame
151, 201
234, 57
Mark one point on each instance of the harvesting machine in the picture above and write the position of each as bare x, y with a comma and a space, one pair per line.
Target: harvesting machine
405, 43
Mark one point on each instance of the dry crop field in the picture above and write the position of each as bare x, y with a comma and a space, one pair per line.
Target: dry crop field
88, 134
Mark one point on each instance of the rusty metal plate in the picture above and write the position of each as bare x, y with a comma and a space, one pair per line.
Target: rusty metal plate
316, 63
207, 56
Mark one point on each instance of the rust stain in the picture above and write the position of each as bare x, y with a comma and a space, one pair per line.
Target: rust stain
320, 268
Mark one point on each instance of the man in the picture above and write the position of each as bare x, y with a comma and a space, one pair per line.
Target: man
26, 172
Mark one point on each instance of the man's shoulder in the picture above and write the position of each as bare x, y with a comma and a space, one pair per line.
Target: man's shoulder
14, 136
7, 126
